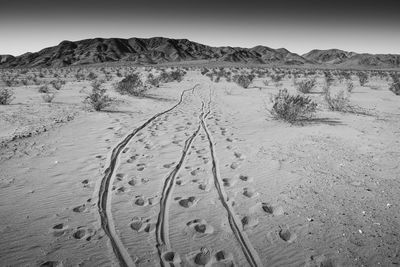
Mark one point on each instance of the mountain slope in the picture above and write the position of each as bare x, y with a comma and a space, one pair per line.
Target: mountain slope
342, 58
163, 50
139, 50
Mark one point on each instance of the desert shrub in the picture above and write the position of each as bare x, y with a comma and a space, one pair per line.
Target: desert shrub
395, 88
48, 97
97, 98
24, 82
292, 108
306, 86
328, 78
91, 76
153, 81
244, 80
131, 85
204, 71
175, 75
339, 102
57, 84
44, 89
363, 77
6, 96
349, 87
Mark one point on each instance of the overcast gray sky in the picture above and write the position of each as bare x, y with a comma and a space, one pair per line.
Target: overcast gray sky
299, 26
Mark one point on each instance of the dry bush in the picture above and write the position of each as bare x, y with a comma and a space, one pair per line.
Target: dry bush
48, 97
97, 98
349, 87
306, 86
153, 81
6, 96
44, 89
244, 80
131, 85
395, 88
292, 108
363, 77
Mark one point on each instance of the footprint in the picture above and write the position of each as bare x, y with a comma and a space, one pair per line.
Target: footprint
195, 172
245, 178
119, 176
52, 264
228, 182
79, 209
150, 227
249, 222
249, 192
59, 226
286, 235
200, 227
225, 257
140, 201
83, 234
187, 202
171, 258
276, 211
234, 165
238, 155
136, 224
134, 181
169, 165
203, 257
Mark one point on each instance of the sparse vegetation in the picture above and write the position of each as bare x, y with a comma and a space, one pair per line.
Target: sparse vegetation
244, 80
48, 97
6, 96
306, 86
97, 98
131, 85
292, 108
362, 77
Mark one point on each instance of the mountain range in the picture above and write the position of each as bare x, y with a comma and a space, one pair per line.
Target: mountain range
158, 50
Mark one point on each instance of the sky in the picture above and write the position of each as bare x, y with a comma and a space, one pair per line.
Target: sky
299, 26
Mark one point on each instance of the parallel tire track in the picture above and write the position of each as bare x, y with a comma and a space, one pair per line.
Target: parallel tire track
104, 202
234, 222
162, 226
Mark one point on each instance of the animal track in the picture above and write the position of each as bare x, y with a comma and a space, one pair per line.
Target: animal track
286, 235
200, 227
79, 209
187, 202
249, 192
171, 258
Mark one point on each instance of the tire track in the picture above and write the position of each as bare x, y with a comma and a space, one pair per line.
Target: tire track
162, 226
250, 253
104, 201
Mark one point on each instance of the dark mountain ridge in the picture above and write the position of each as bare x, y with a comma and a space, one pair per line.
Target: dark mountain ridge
158, 50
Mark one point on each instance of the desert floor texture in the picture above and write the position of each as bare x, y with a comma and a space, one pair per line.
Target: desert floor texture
198, 173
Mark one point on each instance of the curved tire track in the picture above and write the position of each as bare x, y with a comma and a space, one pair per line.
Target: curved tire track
162, 226
104, 201
250, 253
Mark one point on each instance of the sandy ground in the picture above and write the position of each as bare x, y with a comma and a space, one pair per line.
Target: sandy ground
199, 175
